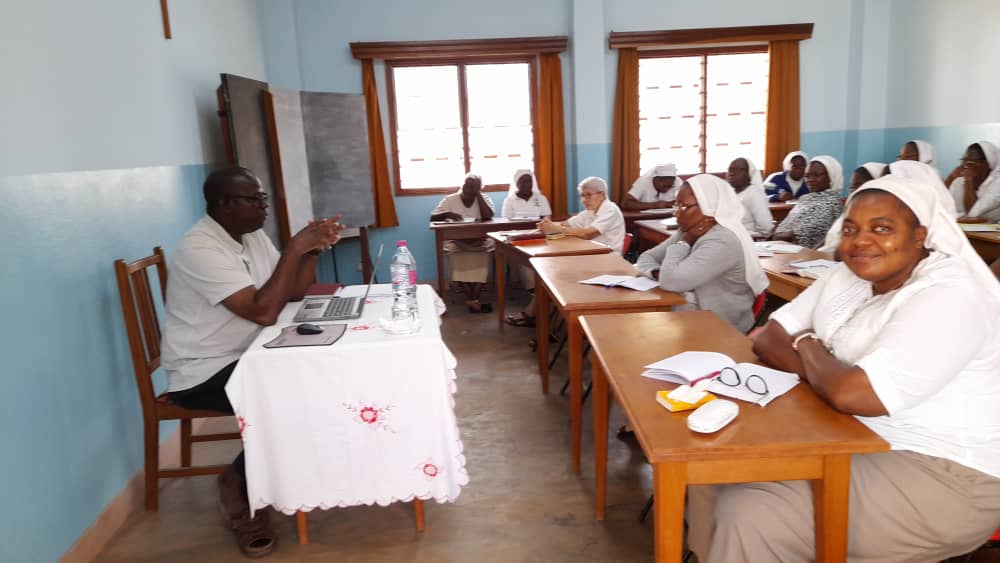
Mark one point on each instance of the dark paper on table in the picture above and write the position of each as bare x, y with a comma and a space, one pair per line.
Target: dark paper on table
289, 337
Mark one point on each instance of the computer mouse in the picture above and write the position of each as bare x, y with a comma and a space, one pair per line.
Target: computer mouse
306, 328
712, 416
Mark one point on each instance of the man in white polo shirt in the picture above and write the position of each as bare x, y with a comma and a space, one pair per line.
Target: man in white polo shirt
227, 281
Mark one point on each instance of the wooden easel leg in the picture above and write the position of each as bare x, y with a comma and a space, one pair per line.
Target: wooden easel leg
302, 525
418, 513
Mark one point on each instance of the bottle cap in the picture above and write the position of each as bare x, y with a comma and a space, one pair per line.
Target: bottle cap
401, 243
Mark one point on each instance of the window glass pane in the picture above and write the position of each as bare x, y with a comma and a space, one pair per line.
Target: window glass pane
670, 112
500, 134
428, 126
736, 120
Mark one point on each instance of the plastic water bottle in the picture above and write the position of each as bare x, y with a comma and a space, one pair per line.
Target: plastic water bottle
404, 287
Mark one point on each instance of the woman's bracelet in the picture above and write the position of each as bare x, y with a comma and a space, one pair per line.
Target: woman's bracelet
795, 343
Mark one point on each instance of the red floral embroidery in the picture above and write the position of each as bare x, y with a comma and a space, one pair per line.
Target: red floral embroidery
374, 416
360, 327
369, 301
429, 469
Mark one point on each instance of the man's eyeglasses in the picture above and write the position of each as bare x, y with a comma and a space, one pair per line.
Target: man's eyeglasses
731, 377
681, 207
260, 199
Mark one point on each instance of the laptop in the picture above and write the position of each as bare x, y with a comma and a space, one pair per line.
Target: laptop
329, 308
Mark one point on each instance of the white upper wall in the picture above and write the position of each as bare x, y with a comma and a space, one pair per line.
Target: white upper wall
944, 63
94, 85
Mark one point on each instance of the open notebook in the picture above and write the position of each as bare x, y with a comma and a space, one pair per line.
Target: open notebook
693, 367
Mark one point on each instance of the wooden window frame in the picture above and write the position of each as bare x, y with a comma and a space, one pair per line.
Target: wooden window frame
704, 53
461, 62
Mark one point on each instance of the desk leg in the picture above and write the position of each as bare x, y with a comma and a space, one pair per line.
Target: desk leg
669, 486
830, 498
575, 350
601, 408
500, 276
418, 513
302, 525
438, 246
542, 336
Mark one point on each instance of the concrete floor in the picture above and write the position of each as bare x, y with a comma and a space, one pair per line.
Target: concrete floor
522, 502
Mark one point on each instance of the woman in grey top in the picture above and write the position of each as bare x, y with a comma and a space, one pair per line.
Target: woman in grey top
711, 259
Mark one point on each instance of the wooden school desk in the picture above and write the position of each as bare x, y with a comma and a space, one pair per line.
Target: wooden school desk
631, 217
651, 232
468, 231
518, 255
779, 210
797, 436
987, 244
558, 278
785, 285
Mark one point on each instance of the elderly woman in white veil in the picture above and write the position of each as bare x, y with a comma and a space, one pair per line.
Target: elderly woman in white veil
975, 184
905, 336
656, 188
711, 258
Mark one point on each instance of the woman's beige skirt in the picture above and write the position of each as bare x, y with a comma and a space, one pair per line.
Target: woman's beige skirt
469, 259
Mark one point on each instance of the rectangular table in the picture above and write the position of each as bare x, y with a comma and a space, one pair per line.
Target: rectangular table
369, 419
519, 254
785, 285
469, 231
652, 232
558, 279
632, 217
987, 245
779, 210
797, 436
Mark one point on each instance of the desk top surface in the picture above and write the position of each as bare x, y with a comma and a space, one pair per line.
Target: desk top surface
566, 246
495, 224
648, 214
562, 275
655, 225
798, 423
986, 236
776, 266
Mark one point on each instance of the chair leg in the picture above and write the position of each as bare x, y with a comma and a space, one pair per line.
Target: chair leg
418, 513
186, 442
645, 509
151, 442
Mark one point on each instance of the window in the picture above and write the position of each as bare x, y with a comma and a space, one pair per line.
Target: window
701, 109
452, 117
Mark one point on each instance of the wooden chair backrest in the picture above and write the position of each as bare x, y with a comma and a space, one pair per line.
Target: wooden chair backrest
141, 322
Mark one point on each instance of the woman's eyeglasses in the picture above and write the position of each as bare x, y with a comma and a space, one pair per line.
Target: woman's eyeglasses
754, 383
682, 207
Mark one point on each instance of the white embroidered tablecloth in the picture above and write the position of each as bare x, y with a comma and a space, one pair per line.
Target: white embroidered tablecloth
367, 420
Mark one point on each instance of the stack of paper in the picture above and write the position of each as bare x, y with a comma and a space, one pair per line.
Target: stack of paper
769, 247
979, 227
638, 283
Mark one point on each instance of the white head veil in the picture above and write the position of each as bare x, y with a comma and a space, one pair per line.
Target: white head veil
786, 165
925, 175
834, 169
717, 199
925, 152
755, 177
943, 233
645, 181
875, 169
517, 176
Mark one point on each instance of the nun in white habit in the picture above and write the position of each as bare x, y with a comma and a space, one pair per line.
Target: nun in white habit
980, 169
711, 259
524, 198
656, 188
905, 336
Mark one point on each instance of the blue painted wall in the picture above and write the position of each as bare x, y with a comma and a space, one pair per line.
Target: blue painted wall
107, 131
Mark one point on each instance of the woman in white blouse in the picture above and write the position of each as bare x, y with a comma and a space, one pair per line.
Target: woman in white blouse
524, 199
904, 334
744, 177
601, 220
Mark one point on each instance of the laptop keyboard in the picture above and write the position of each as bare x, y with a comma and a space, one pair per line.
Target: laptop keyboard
340, 307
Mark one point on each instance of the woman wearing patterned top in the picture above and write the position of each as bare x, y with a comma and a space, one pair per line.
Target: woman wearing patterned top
810, 219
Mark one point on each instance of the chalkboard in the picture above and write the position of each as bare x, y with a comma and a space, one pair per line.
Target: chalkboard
248, 133
336, 141
284, 110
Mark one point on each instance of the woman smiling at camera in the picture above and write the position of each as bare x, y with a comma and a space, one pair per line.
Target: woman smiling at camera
904, 336
711, 258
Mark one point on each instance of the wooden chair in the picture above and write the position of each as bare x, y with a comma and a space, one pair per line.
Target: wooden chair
143, 328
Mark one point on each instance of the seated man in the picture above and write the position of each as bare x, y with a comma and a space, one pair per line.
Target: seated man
227, 281
655, 189
903, 335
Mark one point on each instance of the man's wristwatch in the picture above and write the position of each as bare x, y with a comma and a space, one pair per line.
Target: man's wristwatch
795, 343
